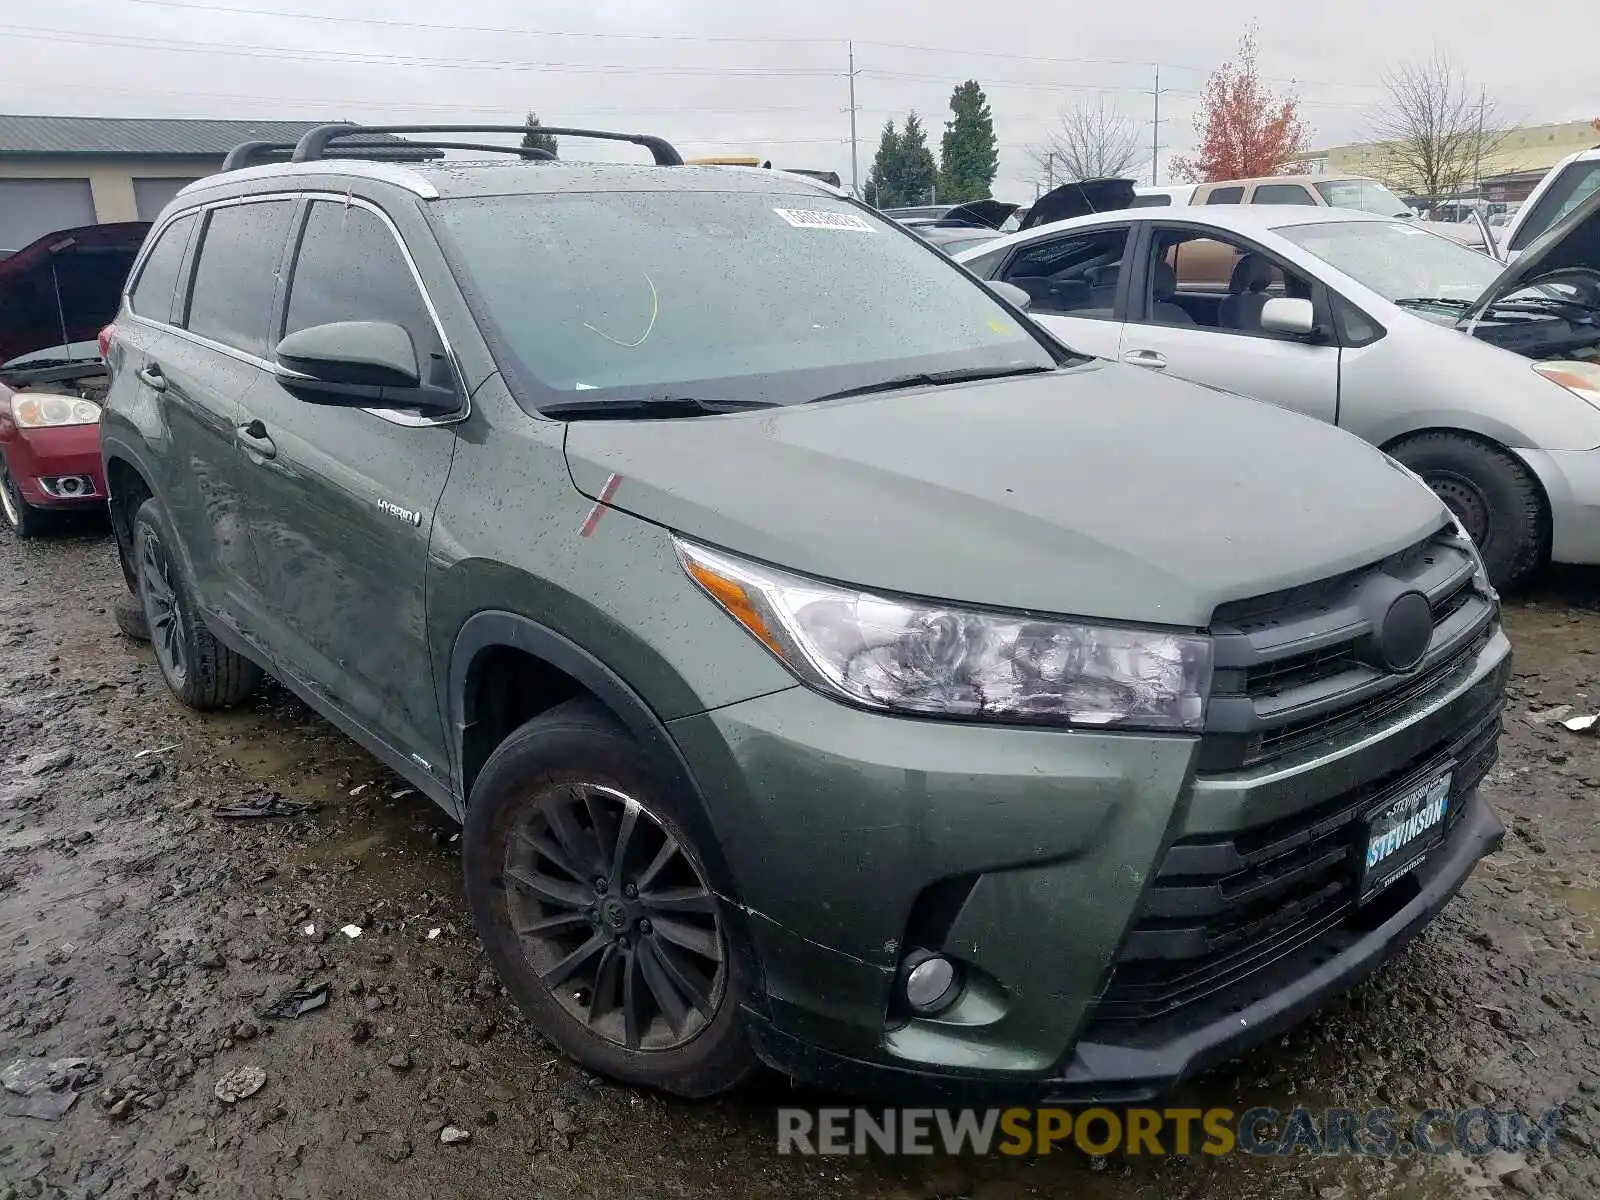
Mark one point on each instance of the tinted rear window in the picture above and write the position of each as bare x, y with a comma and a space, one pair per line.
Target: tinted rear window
234, 280
1227, 195
1282, 193
152, 295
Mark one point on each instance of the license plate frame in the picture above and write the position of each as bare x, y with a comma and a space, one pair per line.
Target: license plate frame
1384, 853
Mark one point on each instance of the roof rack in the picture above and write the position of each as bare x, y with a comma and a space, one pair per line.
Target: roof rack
254, 154
315, 143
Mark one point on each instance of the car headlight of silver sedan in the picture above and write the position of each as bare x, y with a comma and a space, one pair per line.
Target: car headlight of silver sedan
929, 658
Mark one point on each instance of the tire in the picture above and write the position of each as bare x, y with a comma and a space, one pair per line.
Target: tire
25, 520
1491, 493
128, 612
200, 670
652, 942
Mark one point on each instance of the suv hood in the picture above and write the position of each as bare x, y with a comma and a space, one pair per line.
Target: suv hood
1100, 491
61, 290
1079, 200
1574, 241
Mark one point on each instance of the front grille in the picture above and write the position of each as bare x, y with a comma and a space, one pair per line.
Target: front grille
1223, 908
1297, 668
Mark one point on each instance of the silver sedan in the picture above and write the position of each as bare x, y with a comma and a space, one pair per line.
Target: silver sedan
1483, 380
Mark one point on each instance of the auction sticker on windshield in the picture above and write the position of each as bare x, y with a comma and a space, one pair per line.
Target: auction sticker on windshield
1400, 832
811, 218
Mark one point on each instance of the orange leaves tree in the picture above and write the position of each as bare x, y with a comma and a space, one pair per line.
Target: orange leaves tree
1244, 129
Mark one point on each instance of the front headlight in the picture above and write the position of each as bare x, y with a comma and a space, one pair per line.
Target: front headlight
1582, 379
924, 657
31, 410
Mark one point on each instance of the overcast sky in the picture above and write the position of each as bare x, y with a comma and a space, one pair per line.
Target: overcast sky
720, 77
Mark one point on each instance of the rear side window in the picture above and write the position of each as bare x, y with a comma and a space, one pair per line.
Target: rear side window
1281, 193
1159, 200
237, 273
152, 295
350, 268
1227, 195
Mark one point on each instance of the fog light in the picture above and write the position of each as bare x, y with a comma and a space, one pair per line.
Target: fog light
931, 983
67, 487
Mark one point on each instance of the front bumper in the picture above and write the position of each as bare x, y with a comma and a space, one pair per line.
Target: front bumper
1111, 1073
1027, 855
33, 455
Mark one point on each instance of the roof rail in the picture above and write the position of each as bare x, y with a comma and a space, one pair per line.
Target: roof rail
253, 154
315, 143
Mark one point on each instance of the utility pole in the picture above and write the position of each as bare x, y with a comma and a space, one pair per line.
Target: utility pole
1155, 129
1049, 170
1477, 152
855, 170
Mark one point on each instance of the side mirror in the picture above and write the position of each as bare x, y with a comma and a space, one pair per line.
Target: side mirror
357, 364
1290, 315
1010, 293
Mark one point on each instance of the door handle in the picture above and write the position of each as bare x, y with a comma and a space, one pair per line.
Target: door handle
253, 437
150, 375
1145, 358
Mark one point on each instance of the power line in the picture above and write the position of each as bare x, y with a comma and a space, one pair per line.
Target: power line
374, 58
34, 86
768, 40
458, 28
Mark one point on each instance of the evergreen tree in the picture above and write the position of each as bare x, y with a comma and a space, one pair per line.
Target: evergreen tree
883, 186
969, 152
918, 173
536, 138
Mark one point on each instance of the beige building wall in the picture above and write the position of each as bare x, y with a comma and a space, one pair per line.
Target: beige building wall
110, 178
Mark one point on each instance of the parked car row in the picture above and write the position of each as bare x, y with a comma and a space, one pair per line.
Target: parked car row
1359, 320
831, 664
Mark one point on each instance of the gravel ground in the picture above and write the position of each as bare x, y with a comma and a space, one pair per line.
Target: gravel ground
143, 938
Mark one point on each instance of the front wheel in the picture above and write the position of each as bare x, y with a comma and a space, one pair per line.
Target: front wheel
594, 907
1492, 494
200, 670
25, 520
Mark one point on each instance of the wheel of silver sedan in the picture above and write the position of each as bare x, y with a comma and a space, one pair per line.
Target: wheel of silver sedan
614, 917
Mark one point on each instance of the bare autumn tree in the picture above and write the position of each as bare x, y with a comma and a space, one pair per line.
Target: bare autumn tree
1245, 130
1435, 129
1090, 141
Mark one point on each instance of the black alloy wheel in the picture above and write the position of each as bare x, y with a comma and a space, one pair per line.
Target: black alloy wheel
614, 918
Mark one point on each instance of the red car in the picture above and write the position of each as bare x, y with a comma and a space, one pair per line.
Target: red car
55, 296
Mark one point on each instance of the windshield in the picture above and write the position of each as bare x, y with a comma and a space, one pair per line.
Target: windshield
1397, 260
717, 295
1364, 195
1569, 189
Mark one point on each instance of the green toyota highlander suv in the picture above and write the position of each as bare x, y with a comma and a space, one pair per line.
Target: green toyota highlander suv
828, 667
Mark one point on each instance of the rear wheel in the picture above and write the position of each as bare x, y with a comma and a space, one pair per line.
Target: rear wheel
199, 669
1492, 494
25, 520
594, 907
128, 613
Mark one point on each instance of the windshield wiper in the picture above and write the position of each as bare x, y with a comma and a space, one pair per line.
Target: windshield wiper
1424, 301
930, 379
648, 407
